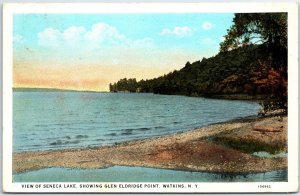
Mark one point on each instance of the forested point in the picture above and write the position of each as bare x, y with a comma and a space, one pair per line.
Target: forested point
252, 61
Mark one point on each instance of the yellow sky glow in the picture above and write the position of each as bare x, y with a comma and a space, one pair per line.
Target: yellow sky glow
91, 78
54, 71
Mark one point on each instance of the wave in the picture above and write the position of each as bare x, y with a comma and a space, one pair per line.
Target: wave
126, 133
159, 127
111, 134
137, 129
81, 136
60, 142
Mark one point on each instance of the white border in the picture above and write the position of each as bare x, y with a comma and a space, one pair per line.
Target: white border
291, 8
14, 8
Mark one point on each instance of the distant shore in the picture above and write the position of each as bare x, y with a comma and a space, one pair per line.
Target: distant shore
224, 147
220, 96
26, 89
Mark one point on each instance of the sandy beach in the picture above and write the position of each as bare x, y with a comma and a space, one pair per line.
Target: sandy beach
225, 147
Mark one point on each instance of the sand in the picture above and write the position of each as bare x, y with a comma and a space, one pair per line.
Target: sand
201, 149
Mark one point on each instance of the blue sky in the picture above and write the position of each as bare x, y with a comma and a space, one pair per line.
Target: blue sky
136, 43
135, 26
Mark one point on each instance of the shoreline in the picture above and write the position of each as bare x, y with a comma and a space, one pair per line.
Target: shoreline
216, 148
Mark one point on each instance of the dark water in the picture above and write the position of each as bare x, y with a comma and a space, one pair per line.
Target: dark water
140, 174
56, 120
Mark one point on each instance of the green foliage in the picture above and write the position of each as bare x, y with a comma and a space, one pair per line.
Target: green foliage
125, 85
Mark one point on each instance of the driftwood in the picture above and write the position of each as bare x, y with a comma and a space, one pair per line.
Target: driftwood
267, 129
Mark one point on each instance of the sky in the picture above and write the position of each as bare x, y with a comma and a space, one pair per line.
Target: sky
89, 51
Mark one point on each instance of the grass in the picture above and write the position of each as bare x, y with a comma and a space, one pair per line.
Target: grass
248, 145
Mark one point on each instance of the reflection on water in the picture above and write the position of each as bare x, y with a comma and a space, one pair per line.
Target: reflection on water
141, 174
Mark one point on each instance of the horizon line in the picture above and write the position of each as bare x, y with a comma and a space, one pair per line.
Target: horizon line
50, 89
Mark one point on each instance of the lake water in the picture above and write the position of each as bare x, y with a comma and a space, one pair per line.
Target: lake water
141, 174
56, 120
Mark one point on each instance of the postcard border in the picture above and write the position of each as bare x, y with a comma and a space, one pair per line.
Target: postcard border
292, 9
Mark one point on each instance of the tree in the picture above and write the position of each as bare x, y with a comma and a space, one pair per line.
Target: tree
273, 82
270, 31
124, 84
267, 28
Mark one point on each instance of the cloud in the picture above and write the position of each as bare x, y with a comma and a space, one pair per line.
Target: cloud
98, 36
178, 31
18, 39
49, 37
73, 34
207, 41
207, 25
145, 42
103, 32
222, 39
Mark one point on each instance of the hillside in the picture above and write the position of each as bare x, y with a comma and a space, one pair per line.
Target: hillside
224, 74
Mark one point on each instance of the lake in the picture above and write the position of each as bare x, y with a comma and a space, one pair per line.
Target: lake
57, 120
60, 120
142, 174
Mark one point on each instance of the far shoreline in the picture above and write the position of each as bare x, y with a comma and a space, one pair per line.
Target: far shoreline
238, 96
